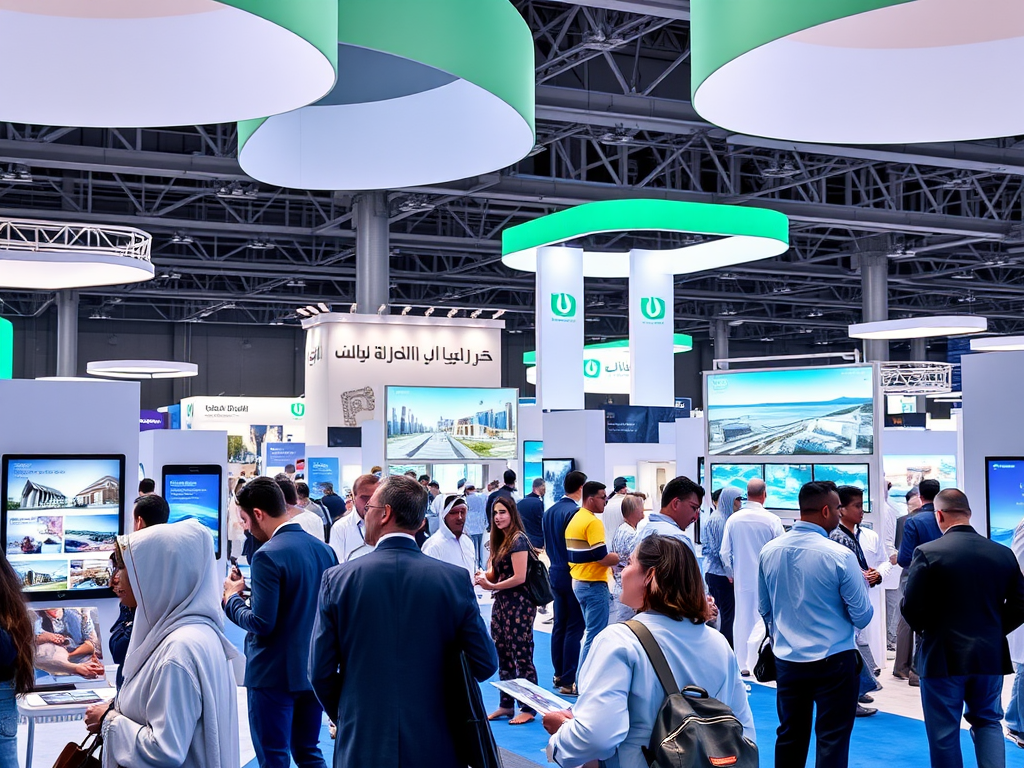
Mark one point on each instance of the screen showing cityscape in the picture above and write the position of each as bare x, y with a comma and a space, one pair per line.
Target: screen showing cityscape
735, 475
809, 411
784, 482
450, 423
906, 472
1004, 496
61, 515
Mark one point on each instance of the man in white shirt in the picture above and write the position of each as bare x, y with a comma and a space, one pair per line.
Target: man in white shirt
449, 543
349, 532
746, 532
308, 521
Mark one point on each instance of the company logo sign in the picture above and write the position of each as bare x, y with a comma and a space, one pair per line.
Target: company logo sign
315, 355
591, 368
189, 409
652, 308
563, 306
298, 410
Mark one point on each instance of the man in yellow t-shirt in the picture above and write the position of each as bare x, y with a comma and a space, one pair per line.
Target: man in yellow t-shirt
590, 562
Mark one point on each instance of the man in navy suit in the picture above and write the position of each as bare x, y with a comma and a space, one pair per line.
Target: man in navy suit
964, 594
387, 626
284, 714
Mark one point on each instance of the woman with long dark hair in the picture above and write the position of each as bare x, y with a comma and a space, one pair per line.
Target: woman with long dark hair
513, 613
17, 654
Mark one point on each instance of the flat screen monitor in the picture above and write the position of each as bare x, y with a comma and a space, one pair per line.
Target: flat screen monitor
784, 482
193, 492
1004, 496
401, 469
791, 412
555, 471
700, 471
847, 474
69, 646
735, 475
906, 472
451, 423
533, 452
61, 515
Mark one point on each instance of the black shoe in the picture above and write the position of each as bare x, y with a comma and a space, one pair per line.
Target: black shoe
877, 671
865, 699
915, 681
1016, 737
866, 711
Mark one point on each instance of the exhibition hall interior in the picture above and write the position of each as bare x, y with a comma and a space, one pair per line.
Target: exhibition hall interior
437, 358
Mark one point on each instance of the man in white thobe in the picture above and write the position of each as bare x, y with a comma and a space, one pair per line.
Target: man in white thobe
449, 543
746, 532
349, 531
877, 555
890, 578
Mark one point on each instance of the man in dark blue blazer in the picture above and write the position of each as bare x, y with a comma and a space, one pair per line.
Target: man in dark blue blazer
284, 714
387, 627
912, 530
964, 594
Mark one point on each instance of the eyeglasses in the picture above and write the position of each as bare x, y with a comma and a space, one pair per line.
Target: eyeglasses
376, 506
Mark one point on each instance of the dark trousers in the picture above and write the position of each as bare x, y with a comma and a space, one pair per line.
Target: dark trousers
721, 589
943, 700
285, 725
830, 685
566, 635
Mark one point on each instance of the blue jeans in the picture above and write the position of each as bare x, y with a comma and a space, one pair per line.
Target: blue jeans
1015, 710
594, 599
943, 700
8, 725
284, 724
478, 545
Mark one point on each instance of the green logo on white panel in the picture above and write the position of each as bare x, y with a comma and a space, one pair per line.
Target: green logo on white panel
652, 308
591, 368
298, 410
563, 305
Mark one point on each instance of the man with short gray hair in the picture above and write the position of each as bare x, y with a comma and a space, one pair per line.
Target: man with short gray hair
348, 535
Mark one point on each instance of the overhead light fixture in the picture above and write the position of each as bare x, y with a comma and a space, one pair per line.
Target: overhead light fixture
260, 245
497, 314
767, 339
406, 311
99, 314
815, 313
600, 40
173, 276
141, 369
728, 310
784, 170
963, 276
182, 238
998, 344
920, 327
968, 298
235, 190
620, 137
277, 321
727, 276
429, 312
961, 181
452, 312
303, 312
475, 314
296, 284
16, 173
323, 307
414, 204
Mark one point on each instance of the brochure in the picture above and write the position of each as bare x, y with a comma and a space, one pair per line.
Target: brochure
533, 695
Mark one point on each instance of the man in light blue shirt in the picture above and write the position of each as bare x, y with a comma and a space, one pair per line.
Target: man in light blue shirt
812, 594
680, 506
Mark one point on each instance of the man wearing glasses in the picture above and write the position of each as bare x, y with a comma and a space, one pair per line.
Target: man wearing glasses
680, 506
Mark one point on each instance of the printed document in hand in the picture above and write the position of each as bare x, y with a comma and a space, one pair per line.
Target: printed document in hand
532, 695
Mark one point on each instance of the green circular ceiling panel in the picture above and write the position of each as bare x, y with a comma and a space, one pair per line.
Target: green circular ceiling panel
135, 63
742, 235
445, 94
858, 71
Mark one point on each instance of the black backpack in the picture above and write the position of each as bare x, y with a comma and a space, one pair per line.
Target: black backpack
692, 729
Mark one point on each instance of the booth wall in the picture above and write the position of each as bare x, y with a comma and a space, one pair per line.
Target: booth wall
74, 417
578, 435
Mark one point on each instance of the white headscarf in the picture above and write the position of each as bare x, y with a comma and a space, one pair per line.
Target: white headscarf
173, 574
727, 499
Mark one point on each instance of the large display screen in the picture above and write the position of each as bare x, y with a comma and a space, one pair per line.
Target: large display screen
60, 518
735, 475
555, 471
906, 472
533, 453
194, 493
451, 423
808, 411
1004, 496
784, 482
857, 475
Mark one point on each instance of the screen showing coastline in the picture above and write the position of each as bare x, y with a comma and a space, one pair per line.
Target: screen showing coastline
533, 453
61, 515
735, 475
857, 475
555, 471
906, 472
451, 423
1004, 497
784, 482
808, 411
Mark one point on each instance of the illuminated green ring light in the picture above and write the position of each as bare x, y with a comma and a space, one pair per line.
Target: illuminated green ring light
126, 63
745, 234
427, 92
6, 349
857, 71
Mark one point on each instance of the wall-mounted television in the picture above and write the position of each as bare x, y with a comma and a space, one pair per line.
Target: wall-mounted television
791, 412
735, 475
858, 475
533, 453
60, 517
451, 423
784, 482
193, 492
555, 471
1004, 496
905, 472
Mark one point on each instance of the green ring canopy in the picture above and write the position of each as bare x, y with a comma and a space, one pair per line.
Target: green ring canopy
858, 71
136, 63
745, 234
428, 92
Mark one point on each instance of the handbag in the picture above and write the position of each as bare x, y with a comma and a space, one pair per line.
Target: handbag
467, 717
764, 669
538, 583
84, 755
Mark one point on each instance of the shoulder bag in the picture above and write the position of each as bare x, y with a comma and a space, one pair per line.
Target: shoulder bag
764, 669
85, 755
538, 583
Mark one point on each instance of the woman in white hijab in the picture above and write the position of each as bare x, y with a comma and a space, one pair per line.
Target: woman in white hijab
178, 704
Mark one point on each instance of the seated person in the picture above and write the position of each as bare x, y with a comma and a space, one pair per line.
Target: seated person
66, 643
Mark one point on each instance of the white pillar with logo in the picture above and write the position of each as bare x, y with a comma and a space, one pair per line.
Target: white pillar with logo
651, 325
560, 328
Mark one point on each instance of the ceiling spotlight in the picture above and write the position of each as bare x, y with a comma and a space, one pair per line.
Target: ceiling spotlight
352, 309
182, 238
16, 173
277, 321
323, 307
728, 310
783, 170
735, 323
805, 330
301, 312
173, 276
962, 180
381, 309
815, 313
260, 245
727, 276
414, 204
406, 311
296, 284
99, 314
767, 339
452, 312
236, 190
963, 276
619, 137
781, 289
599, 40
429, 312
475, 314
970, 298
497, 314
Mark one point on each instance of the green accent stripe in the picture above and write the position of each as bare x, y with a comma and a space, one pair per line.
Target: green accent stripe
6, 349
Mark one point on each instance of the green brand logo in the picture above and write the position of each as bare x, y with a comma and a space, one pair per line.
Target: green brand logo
563, 305
188, 410
591, 369
652, 308
298, 410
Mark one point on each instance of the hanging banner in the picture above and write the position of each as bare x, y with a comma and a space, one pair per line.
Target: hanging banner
637, 424
651, 320
560, 377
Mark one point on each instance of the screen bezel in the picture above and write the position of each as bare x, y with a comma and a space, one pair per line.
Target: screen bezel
206, 470
988, 492
78, 595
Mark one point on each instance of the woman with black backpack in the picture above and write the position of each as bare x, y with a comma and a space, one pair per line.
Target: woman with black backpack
624, 699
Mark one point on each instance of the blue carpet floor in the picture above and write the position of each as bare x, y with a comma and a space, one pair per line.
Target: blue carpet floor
883, 738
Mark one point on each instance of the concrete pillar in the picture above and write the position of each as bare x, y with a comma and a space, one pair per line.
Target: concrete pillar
874, 278
720, 335
67, 333
373, 274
